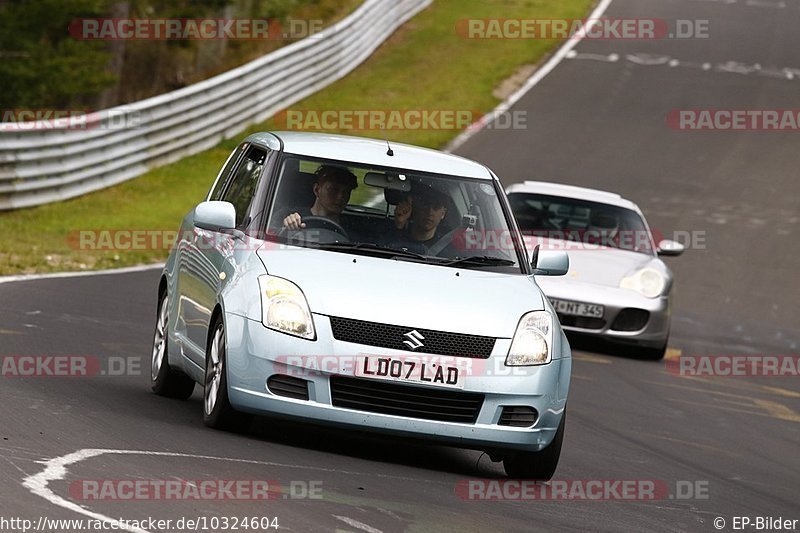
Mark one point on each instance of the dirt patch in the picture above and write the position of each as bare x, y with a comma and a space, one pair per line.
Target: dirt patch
509, 85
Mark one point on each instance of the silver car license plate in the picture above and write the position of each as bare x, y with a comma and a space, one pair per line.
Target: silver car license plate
566, 307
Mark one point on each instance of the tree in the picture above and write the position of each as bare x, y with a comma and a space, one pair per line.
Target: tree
41, 65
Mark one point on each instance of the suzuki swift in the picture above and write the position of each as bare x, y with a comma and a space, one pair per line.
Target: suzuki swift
351, 282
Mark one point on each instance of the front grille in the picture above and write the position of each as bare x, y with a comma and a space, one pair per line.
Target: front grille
519, 416
584, 322
405, 400
390, 336
630, 319
288, 386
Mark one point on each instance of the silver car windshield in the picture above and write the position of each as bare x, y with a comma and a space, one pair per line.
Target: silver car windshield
392, 213
581, 221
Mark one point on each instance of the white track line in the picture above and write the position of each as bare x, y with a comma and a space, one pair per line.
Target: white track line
356, 524
56, 470
532, 81
56, 275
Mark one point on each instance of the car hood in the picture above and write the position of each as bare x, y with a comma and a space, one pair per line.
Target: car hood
406, 293
600, 265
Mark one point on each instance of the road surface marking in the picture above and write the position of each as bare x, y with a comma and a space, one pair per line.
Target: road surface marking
731, 67
56, 469
81, 274
537, 76
592, 359
356, 524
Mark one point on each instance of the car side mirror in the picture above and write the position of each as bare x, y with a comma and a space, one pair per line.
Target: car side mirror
668, 247
549, 263
215, 216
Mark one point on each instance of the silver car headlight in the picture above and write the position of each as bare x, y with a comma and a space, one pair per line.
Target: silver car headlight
533, 341
284, 307
648, 282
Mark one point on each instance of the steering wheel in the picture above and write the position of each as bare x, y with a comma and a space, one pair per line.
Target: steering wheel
314, 221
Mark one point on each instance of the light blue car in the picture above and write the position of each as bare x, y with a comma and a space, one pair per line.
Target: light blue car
349, 282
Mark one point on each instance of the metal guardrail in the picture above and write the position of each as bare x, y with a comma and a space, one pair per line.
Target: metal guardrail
39, 166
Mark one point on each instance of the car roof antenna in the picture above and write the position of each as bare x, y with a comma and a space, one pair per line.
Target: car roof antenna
389, 150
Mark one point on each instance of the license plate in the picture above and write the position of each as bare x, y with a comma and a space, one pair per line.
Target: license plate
439, 371
566, 307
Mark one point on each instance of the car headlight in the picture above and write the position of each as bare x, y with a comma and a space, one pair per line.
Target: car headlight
284, 307
647, 282
533, 341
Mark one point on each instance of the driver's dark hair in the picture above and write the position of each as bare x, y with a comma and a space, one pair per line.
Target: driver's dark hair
336, 173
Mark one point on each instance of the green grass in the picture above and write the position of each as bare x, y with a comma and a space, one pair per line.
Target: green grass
425, 65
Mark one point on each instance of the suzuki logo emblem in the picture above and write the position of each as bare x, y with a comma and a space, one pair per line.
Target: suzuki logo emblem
414, 338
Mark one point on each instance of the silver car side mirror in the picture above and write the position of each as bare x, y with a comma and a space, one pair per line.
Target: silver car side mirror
215, 216
668, 247
550, 263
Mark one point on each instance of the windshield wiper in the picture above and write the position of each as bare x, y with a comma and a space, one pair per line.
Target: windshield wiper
480, 260
369, 247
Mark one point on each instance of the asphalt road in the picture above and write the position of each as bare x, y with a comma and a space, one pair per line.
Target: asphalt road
590, 122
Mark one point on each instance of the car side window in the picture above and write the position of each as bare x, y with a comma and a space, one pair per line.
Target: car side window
243, 183
222, 178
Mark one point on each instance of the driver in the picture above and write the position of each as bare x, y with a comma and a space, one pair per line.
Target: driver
603, 228
332, 193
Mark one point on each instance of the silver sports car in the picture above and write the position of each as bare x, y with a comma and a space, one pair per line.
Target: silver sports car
617, 286
336, 280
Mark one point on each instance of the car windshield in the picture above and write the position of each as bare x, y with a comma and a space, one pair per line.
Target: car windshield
581, 221
392, 213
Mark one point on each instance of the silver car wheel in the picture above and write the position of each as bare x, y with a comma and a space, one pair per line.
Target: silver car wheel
159, 341
214, 371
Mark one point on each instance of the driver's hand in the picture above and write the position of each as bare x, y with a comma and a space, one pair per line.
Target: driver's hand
402, 213
294, 221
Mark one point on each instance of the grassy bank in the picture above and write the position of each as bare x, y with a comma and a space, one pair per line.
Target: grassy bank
425, 65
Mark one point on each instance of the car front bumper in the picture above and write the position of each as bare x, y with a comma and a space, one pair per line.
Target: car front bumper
654, 333
255, 353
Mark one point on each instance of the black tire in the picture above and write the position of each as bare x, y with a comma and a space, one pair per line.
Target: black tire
539, 465
165, 380
219, 414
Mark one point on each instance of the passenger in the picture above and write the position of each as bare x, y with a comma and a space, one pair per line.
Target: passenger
402, 212
332, 191
531, 220
418, 218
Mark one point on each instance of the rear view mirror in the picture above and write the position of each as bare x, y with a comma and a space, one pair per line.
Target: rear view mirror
395, 182
215, 216
668, 247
